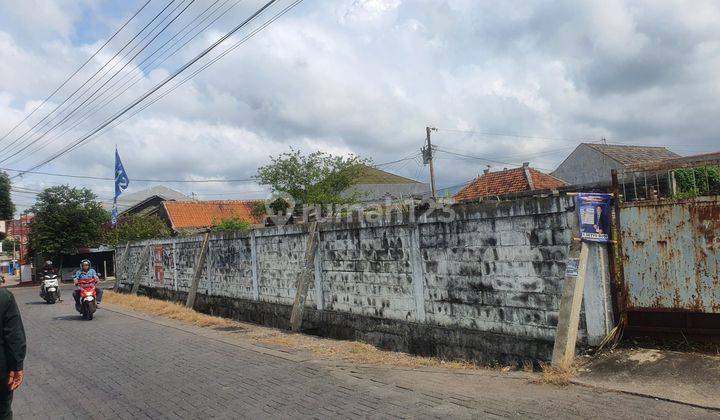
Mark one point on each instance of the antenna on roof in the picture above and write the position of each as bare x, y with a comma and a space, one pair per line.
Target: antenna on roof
604, 141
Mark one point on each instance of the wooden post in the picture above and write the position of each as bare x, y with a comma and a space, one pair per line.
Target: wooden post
254, 265
196, 274
617, 287
571, 300
304, 279
125, 269
141, 266
416, 270
319, 297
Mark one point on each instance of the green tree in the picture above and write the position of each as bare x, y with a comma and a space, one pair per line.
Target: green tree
317, 178
66, 219
8, 244
232, 224
136, 228
7, 208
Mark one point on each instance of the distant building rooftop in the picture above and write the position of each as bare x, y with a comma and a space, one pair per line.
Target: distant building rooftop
189, 215
371, 175
677, 163
376, 185
508, 181
126, 201
592, 163
627, 155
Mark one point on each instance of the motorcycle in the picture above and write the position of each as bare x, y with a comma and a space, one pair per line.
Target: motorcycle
50, 289
87, 298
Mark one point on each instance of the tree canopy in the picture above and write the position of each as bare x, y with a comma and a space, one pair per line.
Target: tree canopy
66, 218
8, 245
233, 224
136, 228
317, 178
7, 208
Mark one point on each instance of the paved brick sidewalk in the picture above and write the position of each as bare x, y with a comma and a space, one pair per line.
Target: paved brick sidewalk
125, 365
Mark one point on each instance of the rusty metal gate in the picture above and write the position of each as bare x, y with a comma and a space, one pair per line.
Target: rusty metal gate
671, 255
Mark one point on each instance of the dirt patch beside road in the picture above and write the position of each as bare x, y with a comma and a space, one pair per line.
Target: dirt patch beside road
690, 378
323, 348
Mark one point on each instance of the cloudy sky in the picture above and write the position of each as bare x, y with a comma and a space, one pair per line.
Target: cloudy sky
504, 81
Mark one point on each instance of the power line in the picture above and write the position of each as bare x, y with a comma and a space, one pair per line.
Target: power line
92, 95
565, 139
183, 81
76, 71
526, 156
163, 83
486, 133
102, 178
91, 77
457, 185
413, 156
133, 80
475, 157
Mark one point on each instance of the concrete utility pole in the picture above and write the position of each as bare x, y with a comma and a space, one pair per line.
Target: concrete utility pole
306, 275
428, 159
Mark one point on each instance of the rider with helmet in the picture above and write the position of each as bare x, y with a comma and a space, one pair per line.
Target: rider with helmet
86, 272
48, 270
48, 267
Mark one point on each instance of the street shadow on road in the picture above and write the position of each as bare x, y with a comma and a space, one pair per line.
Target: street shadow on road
69, 318
37, 302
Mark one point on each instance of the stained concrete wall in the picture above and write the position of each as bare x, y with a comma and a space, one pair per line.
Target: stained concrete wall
484, 284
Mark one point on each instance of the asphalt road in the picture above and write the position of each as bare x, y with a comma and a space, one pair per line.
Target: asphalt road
126, 365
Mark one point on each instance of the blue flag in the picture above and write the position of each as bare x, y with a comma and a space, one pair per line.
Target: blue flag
121, 179
121, 182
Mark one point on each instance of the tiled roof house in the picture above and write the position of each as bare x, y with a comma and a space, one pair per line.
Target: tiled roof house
197, 215
508, 181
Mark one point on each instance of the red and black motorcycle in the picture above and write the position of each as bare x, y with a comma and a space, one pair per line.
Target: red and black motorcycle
87, 302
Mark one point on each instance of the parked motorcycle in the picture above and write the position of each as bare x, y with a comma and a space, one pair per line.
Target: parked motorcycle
87, 298
50, 289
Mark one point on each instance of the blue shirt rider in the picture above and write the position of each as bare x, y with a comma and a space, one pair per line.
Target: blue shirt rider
84, 273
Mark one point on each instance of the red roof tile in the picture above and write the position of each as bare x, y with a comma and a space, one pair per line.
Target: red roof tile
203, 214
505, 182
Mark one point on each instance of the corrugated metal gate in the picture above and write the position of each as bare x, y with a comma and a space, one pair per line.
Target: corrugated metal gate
671, 255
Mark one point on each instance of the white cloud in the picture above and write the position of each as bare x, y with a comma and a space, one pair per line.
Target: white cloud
368, 76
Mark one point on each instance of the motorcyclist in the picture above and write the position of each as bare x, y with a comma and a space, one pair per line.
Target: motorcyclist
48, 267
85, 273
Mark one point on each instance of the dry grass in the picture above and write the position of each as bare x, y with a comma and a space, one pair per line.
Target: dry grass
555, 375
323, 348
166, 309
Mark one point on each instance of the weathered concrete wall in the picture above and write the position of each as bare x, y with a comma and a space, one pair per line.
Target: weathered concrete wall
484, 284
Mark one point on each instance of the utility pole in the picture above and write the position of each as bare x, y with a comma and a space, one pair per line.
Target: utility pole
427, 153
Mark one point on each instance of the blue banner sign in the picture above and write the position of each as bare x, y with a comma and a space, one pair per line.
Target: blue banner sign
594, 214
